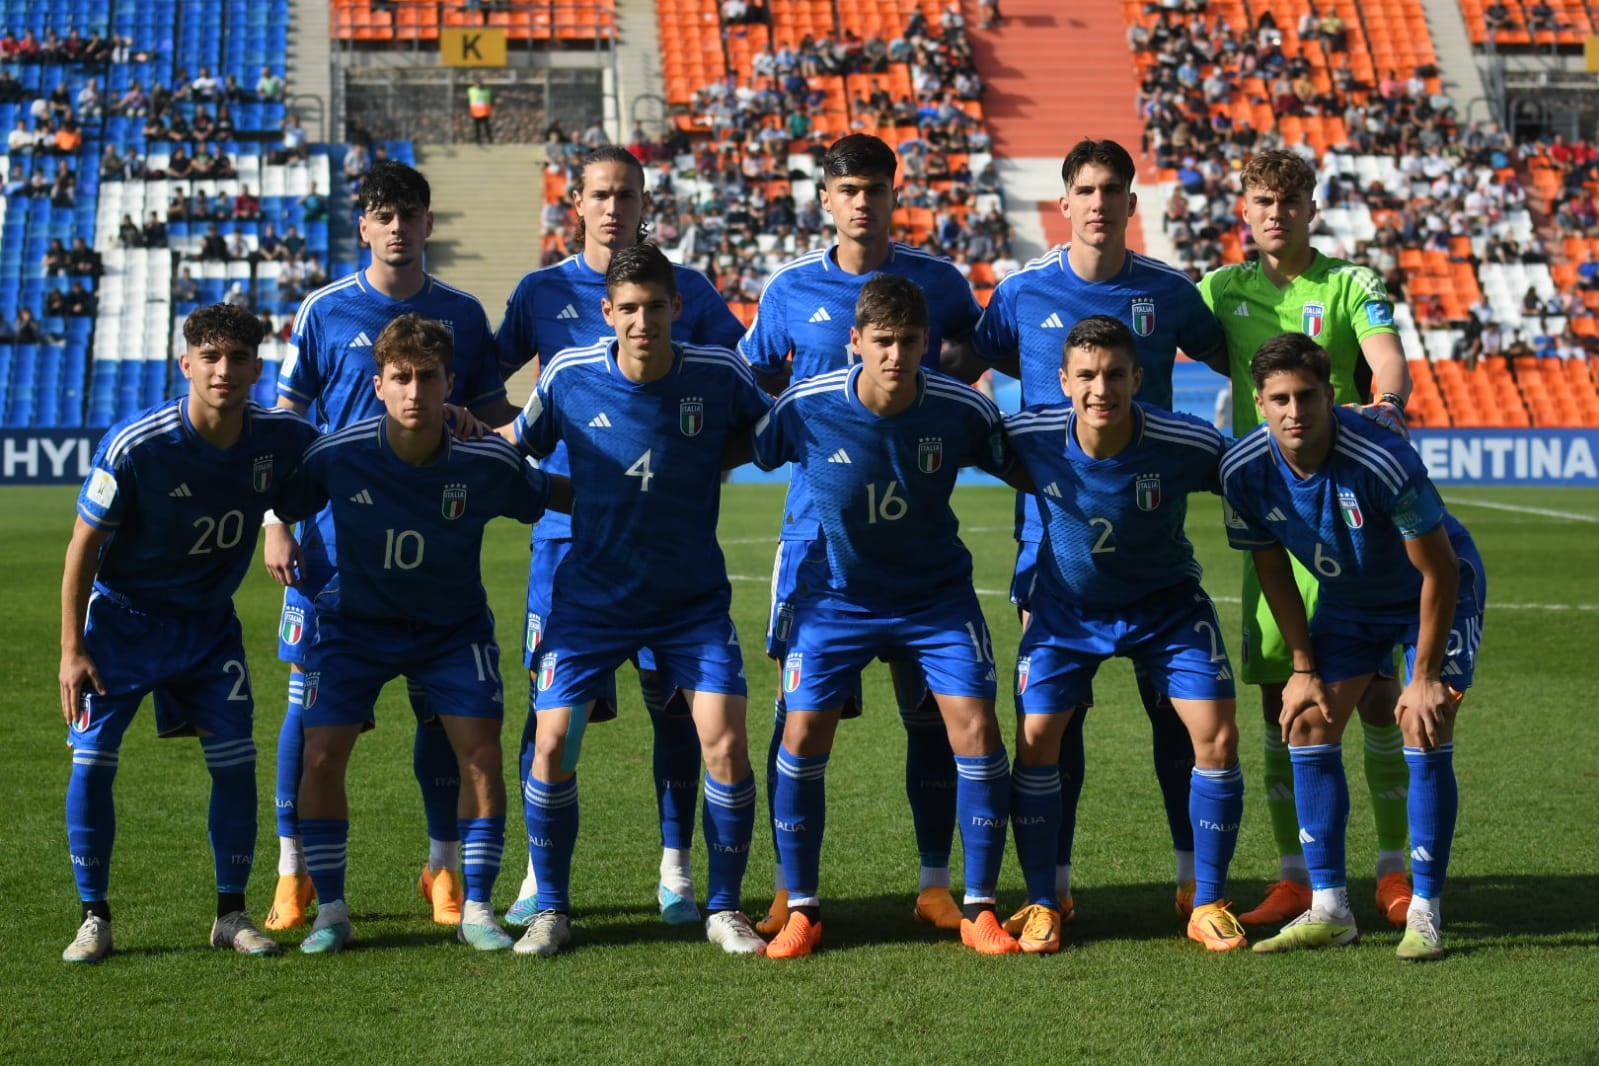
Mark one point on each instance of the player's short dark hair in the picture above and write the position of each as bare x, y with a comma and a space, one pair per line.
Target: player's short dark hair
1279, 171
1289, 352
222, 322
411, 340
858, 155
1100, 333
393, 184
600, 156
642, 264
892, 302
1107, 153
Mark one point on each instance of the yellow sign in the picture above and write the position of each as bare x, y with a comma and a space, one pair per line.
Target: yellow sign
472, 48
1590, 52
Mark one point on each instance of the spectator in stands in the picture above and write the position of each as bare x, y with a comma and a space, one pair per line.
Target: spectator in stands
238, 246
180, 164
17, 182
154, 132
96, 49
269, 245
68, 138
155, 231
128, 233
204, 87
83, 261
594, 136
293, 242
234, 93
26, 329
160, 99
313, 205
81, 303
177, 126
294, 147
56, 259
236, 296
268, 87
291, 281
60, 101
221, 166
204, 126
10, 47
114, 166
185, 290
28, 50
357, 161
212, 246
480, 105
246, 205
39, 184
89, 104
11, 90
224, 123
20, 141
64, 190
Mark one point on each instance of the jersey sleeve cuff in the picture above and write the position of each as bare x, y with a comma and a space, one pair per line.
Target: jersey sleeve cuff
97, 521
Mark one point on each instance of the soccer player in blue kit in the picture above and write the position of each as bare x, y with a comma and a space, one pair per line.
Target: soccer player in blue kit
1352, 502
166, 524
880, 444
552, 309
1117, 576
409, 505
1027, 317
329, 377
646, 421
802, 329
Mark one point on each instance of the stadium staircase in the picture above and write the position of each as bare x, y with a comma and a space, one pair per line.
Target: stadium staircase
310, 70
638, 62
1451, 39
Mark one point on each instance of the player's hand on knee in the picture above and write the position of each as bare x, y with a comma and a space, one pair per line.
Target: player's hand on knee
1426, 712
1303, 695
281, 554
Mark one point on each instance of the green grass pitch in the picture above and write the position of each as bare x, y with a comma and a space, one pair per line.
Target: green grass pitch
1522, 910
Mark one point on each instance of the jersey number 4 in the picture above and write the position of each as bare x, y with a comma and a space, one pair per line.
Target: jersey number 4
641, 470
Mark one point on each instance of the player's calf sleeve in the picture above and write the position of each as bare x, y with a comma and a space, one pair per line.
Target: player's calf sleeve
551, 811
1071, 764
676, 762
1034, 820
799, 820
1215, 808
1388, 779
1434, 803
729, 825
91, 820
779, 717
291, 759
326, 843
482, 847
1280, 807
982, 807
929, 781
1172, 751
1322, 795
231, 819
439, 777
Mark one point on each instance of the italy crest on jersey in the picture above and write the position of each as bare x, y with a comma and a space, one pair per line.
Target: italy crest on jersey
791, 670
691, 416
293, 627
1311, 316
547, 671
1143, 317
535, 632
1349, 507
1147, 490
782, 622
930, 455
1023, 666
454, 505
261, 476
313, 681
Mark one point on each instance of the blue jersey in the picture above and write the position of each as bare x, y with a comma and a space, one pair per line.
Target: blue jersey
1032, 310
412, 536
184, 515
882, 484
1113, 532
646, 475
558, 307
806, 312
1347, 523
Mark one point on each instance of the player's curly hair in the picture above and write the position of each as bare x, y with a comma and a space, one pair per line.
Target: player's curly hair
858, 155
410, 340
222, 322
1107, 153
393, 184
1100, 333
1288, 352
890, 301
607, 154
641, 264
1279, 171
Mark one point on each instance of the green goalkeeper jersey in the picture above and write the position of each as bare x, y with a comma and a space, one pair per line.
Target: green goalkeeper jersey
1335, 302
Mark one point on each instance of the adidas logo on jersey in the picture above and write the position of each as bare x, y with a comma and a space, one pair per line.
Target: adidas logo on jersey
1223, 674
1052, 322
821, 315
181, 492
840, 456
1241, 311
1276, 515
568, 312
1052, 489
601, 421
361, 340
361, 497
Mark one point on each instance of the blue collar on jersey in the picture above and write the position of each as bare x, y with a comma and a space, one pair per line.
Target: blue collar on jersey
1316, 474
830, 260
616, 371
1137, 439
854, 400
383, 442
193, 434
427, 287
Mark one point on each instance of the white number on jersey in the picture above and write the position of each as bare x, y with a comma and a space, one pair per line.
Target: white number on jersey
981, 641
889, 507
218, 534
402, 550
641, 470
1325, 565
241, 680
1102, 546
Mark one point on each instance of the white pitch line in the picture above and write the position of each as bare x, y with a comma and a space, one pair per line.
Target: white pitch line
1541, 512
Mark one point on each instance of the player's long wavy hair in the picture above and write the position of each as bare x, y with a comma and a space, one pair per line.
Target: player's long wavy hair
225, 323
891, 301
411, 340
393, 184
610, 153
1279, 171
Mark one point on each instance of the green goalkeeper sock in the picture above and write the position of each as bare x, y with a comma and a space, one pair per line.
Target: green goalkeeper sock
1280, 797
1388, 779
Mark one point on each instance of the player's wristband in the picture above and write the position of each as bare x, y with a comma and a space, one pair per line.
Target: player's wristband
1393, 398
1310, 671
271, 518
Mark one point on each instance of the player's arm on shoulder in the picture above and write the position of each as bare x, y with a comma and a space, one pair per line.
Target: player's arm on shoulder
958, 359
78, 670
769, 438
1219, 360
533, 430
558, 493
296, 406
1426, 696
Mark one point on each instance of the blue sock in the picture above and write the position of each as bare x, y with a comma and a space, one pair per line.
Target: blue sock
779, 716
929, 781
729, 825
1173, 753
437, 772
1215, 807
676, 762
524, 761
1071, 765
1035, 818
799, 819
326, 843
551, 812
291, 758
1433, 804
231, 819
482, 845
982, 805
91, 820
1321, 793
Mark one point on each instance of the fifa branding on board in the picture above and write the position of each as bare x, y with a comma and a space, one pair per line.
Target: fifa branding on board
1143, 317
930, 454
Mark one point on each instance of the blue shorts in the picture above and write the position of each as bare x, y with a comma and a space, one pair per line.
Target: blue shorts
1175, 644
1021, 582
1349, 644
297, 621
547, 558
787, 567
458, 667
192, 663
578, 658
831, 643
